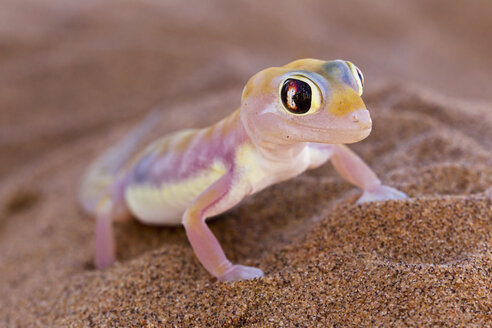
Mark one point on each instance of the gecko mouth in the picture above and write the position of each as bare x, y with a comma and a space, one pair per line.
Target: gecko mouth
337, 136
337, 131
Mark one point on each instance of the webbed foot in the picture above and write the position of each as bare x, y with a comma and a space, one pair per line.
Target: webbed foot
241, 272
381, 193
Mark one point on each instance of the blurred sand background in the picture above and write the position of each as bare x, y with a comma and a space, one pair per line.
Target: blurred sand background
74, 76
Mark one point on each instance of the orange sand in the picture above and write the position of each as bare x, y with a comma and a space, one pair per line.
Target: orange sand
75, 80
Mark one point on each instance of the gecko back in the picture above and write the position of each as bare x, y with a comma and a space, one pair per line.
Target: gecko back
102, 173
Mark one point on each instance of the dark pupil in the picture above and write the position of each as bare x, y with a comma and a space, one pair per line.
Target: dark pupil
296, 96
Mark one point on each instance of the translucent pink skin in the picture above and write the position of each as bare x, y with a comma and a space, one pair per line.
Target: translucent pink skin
282, 144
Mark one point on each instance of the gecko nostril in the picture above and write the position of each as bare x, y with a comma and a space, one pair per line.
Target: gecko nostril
355, 118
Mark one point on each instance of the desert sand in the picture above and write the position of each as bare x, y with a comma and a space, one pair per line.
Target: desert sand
75, 77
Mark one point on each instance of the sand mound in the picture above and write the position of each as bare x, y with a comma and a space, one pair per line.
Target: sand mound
328, 262
75, 76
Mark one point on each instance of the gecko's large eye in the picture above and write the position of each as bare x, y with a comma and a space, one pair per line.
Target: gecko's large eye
359, 78
300, 95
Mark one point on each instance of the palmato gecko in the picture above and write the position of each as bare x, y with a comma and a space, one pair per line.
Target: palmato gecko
291, 119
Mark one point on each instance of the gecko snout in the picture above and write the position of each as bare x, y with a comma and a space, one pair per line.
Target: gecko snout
362, 118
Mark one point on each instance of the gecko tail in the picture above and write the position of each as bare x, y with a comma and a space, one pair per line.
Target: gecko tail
102, 173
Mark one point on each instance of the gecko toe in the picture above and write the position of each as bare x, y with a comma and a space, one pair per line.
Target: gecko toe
241, 272
381, 193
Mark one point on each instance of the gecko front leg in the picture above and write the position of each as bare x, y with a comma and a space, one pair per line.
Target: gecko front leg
214, 200
352, 167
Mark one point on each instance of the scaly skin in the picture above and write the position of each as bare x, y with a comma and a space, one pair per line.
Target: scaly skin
292, 118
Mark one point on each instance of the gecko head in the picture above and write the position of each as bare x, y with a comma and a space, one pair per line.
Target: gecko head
307, 100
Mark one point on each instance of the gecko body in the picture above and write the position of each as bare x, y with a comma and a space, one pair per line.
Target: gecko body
292, 118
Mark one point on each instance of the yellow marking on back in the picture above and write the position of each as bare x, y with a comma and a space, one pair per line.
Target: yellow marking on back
166, 204
184, 138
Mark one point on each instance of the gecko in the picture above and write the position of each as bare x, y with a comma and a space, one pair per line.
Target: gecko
291, 119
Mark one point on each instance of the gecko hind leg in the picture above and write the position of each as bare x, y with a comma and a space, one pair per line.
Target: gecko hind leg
105, 247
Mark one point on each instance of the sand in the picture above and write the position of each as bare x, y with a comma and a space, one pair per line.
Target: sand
75, 78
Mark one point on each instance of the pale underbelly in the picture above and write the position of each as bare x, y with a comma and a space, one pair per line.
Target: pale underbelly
166, 204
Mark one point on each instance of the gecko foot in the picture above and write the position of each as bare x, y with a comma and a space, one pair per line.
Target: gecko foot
241, 272
381, 193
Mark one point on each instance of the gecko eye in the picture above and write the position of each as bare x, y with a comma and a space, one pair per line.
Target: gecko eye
359, 78
300, 95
